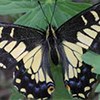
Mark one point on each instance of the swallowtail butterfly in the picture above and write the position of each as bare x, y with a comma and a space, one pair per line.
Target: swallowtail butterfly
30, 50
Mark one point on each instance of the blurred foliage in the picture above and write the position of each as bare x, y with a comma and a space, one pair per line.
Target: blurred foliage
30, 14
16, 95
31, 11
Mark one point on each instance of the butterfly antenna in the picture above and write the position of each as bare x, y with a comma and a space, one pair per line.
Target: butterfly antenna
43, 12
53, 11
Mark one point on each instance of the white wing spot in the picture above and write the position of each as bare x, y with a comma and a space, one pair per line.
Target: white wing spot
3, 66
23, 90
84, 19
32, 76
1, 28
73, 46
99, 22
90, 32
84, 39
37, 78
81, 95
74, 95
75, 73
18, 50
41, 74
91, 80
3, 43
86, 88
30, 96
22, 56
96, 16
78, 70
31, 53
28, 63
82, 45
29, 71
45, 98
10, 46
18, 80
96, 28
12, 32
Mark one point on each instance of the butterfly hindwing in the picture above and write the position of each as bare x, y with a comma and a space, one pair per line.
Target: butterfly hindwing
15, 42
78, 76
33, 77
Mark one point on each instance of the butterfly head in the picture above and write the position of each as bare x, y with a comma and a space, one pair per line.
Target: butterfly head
50, 32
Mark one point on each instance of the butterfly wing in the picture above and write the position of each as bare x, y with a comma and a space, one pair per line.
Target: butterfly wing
21, 48
83, 29
77, 35
32, 76
15, 42
78, 76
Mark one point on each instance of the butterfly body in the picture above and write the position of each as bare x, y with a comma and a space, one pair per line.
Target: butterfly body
52, 44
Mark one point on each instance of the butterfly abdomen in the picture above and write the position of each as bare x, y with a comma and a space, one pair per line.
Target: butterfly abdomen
54, 56
52, 44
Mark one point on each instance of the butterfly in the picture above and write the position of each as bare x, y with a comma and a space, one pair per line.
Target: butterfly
30, 51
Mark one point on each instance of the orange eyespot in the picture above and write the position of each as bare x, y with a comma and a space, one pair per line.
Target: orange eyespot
68, 88
51, 89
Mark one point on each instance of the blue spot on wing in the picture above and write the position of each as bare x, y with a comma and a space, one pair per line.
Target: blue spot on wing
38, 90
77, 85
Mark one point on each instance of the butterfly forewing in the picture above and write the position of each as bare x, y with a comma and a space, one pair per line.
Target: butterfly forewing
16, 42
83, 29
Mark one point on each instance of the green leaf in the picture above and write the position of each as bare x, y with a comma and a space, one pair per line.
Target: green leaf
16, 7
16, 95
33, 15
3, 2
64, 11
98, 88
93, 59
61, 92
72, 8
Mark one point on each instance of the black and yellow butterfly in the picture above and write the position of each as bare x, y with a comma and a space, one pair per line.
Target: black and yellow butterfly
30, 50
